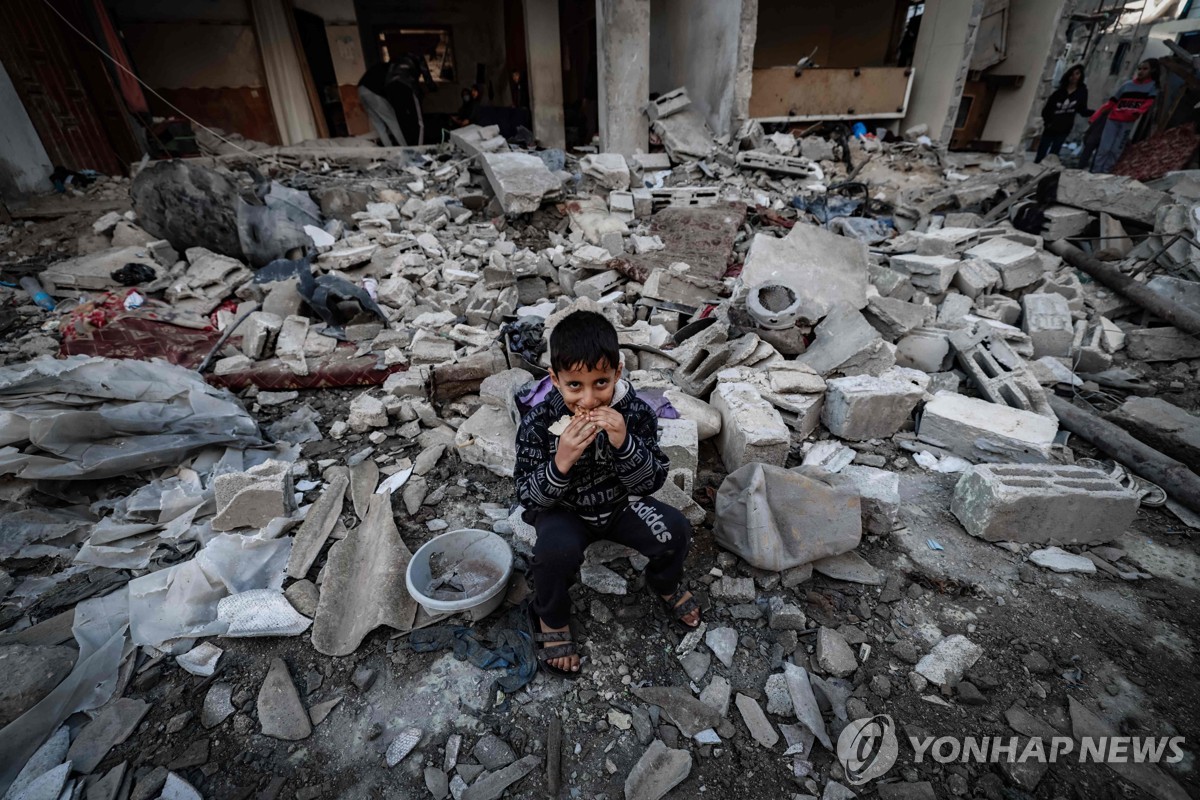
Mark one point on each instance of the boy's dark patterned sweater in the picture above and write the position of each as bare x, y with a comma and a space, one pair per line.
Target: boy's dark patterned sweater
600, 483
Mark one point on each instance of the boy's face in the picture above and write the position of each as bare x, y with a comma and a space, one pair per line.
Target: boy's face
1143, 72
585, 388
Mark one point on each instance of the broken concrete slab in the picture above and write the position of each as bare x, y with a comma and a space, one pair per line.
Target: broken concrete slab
30, 673
684, 134
833, 655
825, 270
218, 705
751, 428
50, 785
364, 584
846, 344
723, 643
895, 318
1042, 504
804, 702
491, 785
253, 498
687, 713
280, 712
849, 567
1162, 425
879, 492
521, 181
945, 664
981, 431
657, 772
1161, 344
609, 170
51, 754
92, 272
1111, 194
318, 523
1058, 560
929, 273
113, 725
756, 721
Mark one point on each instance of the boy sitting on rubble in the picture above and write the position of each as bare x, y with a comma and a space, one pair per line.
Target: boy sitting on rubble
576, 483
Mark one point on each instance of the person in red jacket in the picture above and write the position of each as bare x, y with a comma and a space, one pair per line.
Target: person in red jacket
1132, 100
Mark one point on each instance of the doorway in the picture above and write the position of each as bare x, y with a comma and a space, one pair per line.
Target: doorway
315, 42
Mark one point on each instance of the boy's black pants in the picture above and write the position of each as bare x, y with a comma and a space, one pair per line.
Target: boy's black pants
654, 529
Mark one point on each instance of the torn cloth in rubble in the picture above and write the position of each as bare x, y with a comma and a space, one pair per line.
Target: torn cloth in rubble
154, 330
511, 651
92, 418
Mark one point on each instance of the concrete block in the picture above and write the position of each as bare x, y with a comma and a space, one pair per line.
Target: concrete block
976, 277
981, 431
609, 170
788, 165
953, 310
890, 282
996, 370
430, 349
366, 412
253, 498
931, 274
283, 298
521, 181
751, 429
1064, 221
598, 285
232, 364
864, 407
926, 349
817, 149
257, 333
668, 103
1047, 320
1161, 425
949, 659
679, 439
1018, 264
894, 318
489, 439
413, 382
1042, 504
998, 307
289, 347
1088, 353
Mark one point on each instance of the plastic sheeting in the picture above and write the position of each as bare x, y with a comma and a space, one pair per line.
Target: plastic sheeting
100, 629
182, 601
91, 418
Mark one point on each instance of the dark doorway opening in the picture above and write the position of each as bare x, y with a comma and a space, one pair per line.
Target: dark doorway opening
315, 42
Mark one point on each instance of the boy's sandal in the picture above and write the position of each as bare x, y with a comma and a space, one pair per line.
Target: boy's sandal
546, 654
678, 608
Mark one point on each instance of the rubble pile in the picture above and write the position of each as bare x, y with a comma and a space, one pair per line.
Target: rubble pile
857, 360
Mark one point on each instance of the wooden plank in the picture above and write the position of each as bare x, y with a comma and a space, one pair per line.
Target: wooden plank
860, 93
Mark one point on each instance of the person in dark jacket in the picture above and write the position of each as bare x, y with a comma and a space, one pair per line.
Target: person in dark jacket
1068, 101
372, 93
578, 481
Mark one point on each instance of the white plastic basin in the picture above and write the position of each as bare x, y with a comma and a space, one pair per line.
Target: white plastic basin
474, 565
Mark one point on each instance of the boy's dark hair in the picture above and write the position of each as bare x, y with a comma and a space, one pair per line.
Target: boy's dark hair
584, 339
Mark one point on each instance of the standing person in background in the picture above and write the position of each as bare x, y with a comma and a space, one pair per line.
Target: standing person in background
1068, 101
405, 91
372, 93
1128, 105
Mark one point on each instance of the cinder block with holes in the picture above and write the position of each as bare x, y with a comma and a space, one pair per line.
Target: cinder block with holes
1042, 504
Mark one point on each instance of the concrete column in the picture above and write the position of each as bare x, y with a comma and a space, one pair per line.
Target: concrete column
544, 54
940, 64
743, 83
623, 61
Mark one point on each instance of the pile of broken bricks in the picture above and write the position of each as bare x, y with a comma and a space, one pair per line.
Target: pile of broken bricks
941, 352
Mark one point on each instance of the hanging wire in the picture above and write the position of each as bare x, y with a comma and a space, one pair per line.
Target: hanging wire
145, 85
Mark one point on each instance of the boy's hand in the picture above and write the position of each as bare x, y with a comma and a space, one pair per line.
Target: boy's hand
578, 436
612, 422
